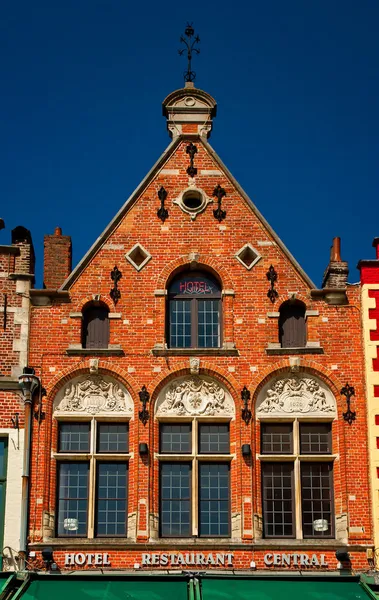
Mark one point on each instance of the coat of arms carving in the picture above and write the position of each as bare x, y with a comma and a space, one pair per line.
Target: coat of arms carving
195, 396
296, 395
94, 395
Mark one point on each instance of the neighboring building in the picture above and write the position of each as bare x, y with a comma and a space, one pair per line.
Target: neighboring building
16, 279
369, 270
196, 382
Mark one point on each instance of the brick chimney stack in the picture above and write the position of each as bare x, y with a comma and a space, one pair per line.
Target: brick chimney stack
337, 271
57, 259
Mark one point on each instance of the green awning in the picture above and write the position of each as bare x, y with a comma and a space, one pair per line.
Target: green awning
282, 588
72, 587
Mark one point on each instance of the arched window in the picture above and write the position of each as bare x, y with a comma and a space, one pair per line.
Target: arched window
292, 325
95, 329
194, 311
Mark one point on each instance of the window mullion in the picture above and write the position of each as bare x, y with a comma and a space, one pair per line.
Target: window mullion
195, 480
91, 498
194, 323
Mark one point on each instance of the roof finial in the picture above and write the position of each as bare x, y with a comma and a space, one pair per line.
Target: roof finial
189, 75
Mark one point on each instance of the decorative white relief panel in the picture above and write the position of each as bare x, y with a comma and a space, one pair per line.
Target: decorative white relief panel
91, 395
296, 396
194, 396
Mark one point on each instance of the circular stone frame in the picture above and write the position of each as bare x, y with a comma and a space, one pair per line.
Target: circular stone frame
192, 201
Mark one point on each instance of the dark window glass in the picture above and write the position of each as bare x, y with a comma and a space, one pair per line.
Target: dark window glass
180, 324
315, 438
292, 325
111, 499
208, 323
175, 499
73, 498
95, 327
214, 517
214, 439
317, 494
74, 437
277, 493
276, 438
112, 437
3, 457
175, 439
194, 311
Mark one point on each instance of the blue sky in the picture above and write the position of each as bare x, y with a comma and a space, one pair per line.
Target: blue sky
297, 89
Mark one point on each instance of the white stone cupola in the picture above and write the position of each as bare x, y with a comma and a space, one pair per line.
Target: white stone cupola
189, 111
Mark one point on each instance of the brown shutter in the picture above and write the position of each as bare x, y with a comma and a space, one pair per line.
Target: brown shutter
292, 327
95, 327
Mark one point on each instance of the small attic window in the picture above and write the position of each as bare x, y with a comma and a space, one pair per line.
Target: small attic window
138, 257
248, 256
192, 200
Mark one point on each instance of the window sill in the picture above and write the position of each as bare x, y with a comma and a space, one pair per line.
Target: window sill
194, 351
285, 351
114, 350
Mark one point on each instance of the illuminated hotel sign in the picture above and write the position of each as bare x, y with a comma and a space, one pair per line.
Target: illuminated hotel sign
175, 559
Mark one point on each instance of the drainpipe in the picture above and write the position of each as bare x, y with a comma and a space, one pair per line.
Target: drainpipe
28, 383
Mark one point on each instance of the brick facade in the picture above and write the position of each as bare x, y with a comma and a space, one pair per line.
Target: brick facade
250, 355
16, 279
369, 270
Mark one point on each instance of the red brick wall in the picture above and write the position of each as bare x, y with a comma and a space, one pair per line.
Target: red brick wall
337, 328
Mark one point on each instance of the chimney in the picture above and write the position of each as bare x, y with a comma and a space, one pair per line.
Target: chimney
25, 261
57, 259
336, 273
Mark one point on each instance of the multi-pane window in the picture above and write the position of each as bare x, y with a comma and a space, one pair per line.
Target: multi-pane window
82, 448
296, 462
194, 311
195, 484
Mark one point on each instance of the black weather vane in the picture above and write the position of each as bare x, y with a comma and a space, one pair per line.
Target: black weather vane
189, 75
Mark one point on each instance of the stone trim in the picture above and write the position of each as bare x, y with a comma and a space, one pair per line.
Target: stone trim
76, 315
112, 350
272, 351
9, 383
159, 351
228, 293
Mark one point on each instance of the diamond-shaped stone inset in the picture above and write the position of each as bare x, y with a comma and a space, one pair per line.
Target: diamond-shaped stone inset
138, 256
248, 256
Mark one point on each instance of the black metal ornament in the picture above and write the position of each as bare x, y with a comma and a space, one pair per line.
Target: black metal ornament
272, 276
115, 293
162, 211
246, 412
348, 391
144, 396
191, 150
218, 212
189, 32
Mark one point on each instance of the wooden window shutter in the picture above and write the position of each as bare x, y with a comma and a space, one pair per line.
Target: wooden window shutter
95, 327
292, 325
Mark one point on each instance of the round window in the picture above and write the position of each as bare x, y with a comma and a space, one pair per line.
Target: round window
192, 200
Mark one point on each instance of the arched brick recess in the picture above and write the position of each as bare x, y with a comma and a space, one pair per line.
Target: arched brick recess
183, 261
79, 305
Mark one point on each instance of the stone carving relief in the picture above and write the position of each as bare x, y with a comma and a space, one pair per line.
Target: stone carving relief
195, 396
295, 395
94, 394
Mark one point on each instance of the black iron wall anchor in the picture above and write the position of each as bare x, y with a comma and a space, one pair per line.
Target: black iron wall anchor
218, 212
162, 212
246, 412
144, 396
348, 391
189, 75
272, 276
191, 150
115, 293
